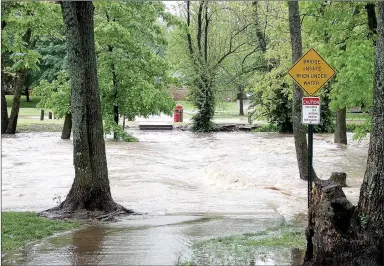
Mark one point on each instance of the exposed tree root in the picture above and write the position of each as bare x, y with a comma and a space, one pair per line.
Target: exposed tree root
74, 211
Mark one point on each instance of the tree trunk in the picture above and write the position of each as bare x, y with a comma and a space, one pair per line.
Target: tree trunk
67, 128
27, 93
240, 97
299, 130
338, 233
42, 114
19, 83
333, 233
341, 127
90, 190
4, 109
115, 102
372, 19
371, 202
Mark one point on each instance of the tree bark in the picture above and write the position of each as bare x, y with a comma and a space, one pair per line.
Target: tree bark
67, 128
90, 190
341, 127
299, 130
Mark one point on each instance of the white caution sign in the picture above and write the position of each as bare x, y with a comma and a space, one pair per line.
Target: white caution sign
311, 110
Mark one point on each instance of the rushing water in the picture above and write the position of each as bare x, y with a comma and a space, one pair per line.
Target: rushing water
217, 184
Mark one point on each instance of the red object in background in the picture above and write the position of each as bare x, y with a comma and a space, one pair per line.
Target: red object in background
178, 114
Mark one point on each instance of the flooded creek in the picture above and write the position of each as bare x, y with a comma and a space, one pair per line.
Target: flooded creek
192, 187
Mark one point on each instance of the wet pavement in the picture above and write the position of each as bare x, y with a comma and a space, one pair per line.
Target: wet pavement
192, 187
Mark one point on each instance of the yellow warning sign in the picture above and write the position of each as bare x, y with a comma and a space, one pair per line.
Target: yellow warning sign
311, 72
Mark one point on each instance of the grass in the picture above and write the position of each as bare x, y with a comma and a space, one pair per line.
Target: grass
357, 116
21, 228
36, 125
23, 101
266, 128
275, 243
281, 236
224, 109
29, 112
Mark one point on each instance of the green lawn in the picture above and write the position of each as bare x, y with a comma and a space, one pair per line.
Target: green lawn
29, 111
222, 109
23, 101
21, 228
357, 116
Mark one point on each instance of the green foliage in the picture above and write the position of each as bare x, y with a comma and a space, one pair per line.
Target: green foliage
270, 85
54, 95
213, 62
272, 98
340, 33
20, 228
53, 59
25, 23
267, 128
361, 130
327, 117
110, 126
133, 71
276, 108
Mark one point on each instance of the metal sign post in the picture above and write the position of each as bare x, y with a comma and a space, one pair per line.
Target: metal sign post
310, 156
311, 116
311, 72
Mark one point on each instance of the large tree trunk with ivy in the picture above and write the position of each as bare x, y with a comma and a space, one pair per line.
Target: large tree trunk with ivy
341, 127
90, 192
67, 128
205, 101
203, 94
339, 233
299, 130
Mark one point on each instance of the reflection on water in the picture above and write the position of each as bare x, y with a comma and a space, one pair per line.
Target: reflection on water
216, 184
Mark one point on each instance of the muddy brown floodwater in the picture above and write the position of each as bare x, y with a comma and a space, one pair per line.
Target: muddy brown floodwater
191, 186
